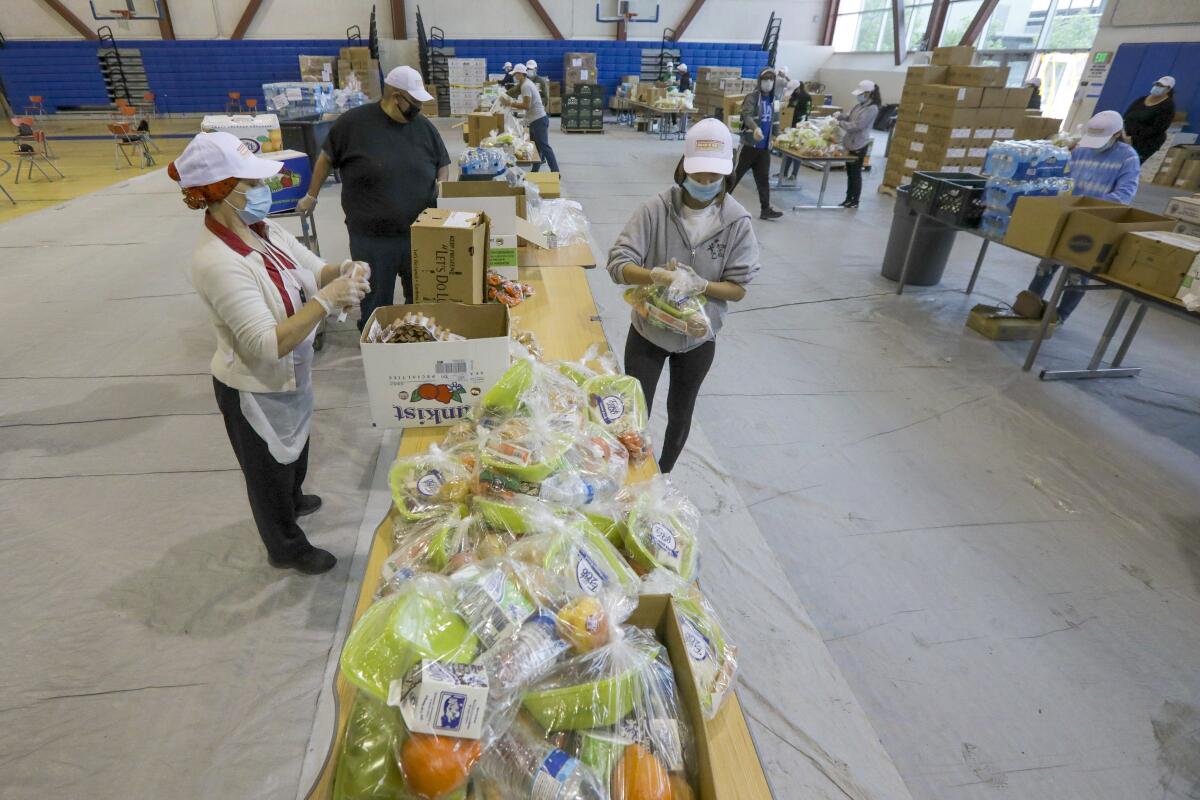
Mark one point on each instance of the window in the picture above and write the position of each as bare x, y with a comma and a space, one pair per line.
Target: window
959, 14
865, 26
1073, 25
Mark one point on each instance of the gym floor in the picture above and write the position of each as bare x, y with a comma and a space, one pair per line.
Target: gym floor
994, 577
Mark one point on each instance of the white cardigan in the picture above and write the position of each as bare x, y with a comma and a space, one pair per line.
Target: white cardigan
244, 307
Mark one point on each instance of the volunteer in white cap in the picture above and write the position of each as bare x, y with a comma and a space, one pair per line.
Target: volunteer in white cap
685, 79
529, 100
857, 123
694, 239
758, 123
1035, 99
507, 80
1103, 166
265, 294
390, 158
1147, 118
542, 84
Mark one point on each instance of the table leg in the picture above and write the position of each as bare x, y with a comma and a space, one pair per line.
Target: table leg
1123, 350
824, 183
912, 242
978, 265
1110, 329
1047, 315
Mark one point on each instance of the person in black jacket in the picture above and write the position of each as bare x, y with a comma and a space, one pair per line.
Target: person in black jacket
758, 119
1035, 99
797, 98
1147, 118
685, 79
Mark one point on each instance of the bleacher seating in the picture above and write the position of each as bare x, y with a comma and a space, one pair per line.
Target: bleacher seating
197, 75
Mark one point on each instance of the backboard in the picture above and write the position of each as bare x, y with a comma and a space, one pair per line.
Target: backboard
125, 10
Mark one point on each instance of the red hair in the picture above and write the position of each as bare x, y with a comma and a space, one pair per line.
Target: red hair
200, 196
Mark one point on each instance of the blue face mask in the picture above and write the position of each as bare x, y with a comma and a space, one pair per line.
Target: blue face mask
1158, 91
702, 192
258, 204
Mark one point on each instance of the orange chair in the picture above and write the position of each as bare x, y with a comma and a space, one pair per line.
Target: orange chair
234, 103
149, 105
36, 136
252, 105
129, 139
36, 105
129, 113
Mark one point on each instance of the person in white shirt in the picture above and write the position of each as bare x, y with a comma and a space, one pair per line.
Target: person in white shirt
265, 294
529, 100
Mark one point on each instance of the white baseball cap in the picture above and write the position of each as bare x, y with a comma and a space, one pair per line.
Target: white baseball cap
863, 87
1035, 82
682, 67
708, 148
520, 69
1167, 81
217, 156
531, 64
1101, 128
508, 65
782, 71
409, 80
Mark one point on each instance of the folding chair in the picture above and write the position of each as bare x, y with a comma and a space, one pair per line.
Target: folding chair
127, 139
128, 115
252, 105
36, 105
28, 132
149, 105
234, 103
7, 167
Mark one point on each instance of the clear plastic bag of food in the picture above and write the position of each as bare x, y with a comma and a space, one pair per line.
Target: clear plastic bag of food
441, 545
531, 388
428, 484
713, 657
662, 528
591, 364
519, 454
617, 710
367, 768
577, 555
617, 403
686, 316
598, 466
563, 222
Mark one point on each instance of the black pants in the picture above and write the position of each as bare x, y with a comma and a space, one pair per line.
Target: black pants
390, 257
272, 488
644, 361
760, 161
539, 134
854, 175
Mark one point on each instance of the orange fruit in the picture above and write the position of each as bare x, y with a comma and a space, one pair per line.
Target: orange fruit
640, 776
435, 766
427, 391
584, 623
680, 788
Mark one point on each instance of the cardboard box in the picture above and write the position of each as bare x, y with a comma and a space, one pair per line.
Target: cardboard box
710, 74
1189, 228
449, 256
952, 56
1018, 98
911, 94
950, 117
977, 76
1186, 209
1173, 163
936, 94
579, 61
548, 184
259, 132
1090, 237
1037, 222
430, 107
480, 125
483, 189
319, 68
994, 97
1004, 326
578, 75
290, 183
1156, 261
926, 74
1189, 175
467, 369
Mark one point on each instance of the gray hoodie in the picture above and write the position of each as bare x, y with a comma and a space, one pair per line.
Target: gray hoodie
655, 235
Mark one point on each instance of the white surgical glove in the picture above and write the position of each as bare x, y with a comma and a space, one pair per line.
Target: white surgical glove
662, 276
306, 204
347, 269
342, 293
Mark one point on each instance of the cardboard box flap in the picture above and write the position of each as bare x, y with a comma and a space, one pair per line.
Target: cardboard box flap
531, 234
469, 321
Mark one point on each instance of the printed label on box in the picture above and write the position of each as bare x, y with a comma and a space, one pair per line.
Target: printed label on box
977, 152
921, 127
985, 133
956, 152
960, 133
442, 699
1006, 133
910, 163
917, 147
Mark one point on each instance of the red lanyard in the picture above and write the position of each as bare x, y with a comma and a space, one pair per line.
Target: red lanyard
275, 260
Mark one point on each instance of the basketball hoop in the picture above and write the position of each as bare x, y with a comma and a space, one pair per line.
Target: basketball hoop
123, 15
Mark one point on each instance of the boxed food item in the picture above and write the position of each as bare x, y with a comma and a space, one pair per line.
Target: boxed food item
951, 117
994, 97
449, 256
1002, 325
259, 132
480, 125
1189, 175
1173, 163
357, 56
579, 75
926, 74
1190, 228
1089, 237
547, 183
432, 384
1186, 209
430, 107
318, 68
961, 75
1157, 261
938, 94
1018, 98
952, 56
1037, 222
579, 61
712, 74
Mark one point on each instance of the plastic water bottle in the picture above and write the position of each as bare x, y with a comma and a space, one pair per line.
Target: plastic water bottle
524, 764
520, 660
568, 488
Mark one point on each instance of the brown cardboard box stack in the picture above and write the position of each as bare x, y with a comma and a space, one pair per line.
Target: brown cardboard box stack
430, 107
1158, 262
578, 68
1180, 168
357, 61
480, 126
713, 84
950, 112
554, 107
321, 69
1186, 213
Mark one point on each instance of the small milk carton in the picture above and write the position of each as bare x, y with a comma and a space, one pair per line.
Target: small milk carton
442, 699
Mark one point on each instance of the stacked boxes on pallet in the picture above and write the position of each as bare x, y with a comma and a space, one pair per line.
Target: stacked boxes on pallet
950, 112
467, 77
357, 62
578, 68
714, 84
319, 69
583, 108
554, 107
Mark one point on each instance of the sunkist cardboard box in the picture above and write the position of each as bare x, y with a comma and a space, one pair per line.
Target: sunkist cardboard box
1037, 221
1156, 261
449, 256
1090, 236
431, 384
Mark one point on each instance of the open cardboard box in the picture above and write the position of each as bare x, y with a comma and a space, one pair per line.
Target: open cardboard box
1037, 222
1090, 236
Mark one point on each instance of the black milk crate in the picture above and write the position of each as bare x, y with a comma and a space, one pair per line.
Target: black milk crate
960, 202
926, 186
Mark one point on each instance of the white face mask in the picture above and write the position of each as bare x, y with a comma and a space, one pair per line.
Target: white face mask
767, 86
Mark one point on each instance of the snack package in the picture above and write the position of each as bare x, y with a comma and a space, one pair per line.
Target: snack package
617, 403
428, 484
589, 366
502, 290
579, 557
444, 545
713, 657
662, 528
519, 454
686, 317
617, 710
530, 388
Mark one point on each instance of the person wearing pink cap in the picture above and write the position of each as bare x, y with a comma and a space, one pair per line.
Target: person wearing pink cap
694, 234
390, 158
1147, 118
265, 294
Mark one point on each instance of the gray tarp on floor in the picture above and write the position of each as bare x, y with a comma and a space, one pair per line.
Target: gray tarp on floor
1005, 572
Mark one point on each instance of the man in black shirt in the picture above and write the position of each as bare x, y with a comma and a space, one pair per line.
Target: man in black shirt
391, 159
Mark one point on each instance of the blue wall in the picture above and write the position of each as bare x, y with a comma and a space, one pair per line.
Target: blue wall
1137, 66
196, 76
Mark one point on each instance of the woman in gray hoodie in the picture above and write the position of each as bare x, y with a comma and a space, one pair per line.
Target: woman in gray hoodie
857, 123
694, 227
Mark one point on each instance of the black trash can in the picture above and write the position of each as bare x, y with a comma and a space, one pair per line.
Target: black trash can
930, 252
306, 134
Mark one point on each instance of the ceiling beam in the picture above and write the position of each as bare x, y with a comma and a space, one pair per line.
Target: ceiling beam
937, 21
72, 20
399, 20
899, 35
688, 16
831, 13
622, 29
247, 17
976, 26
165, 29
545, 17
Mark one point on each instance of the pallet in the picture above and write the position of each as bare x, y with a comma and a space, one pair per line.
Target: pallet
581, 130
